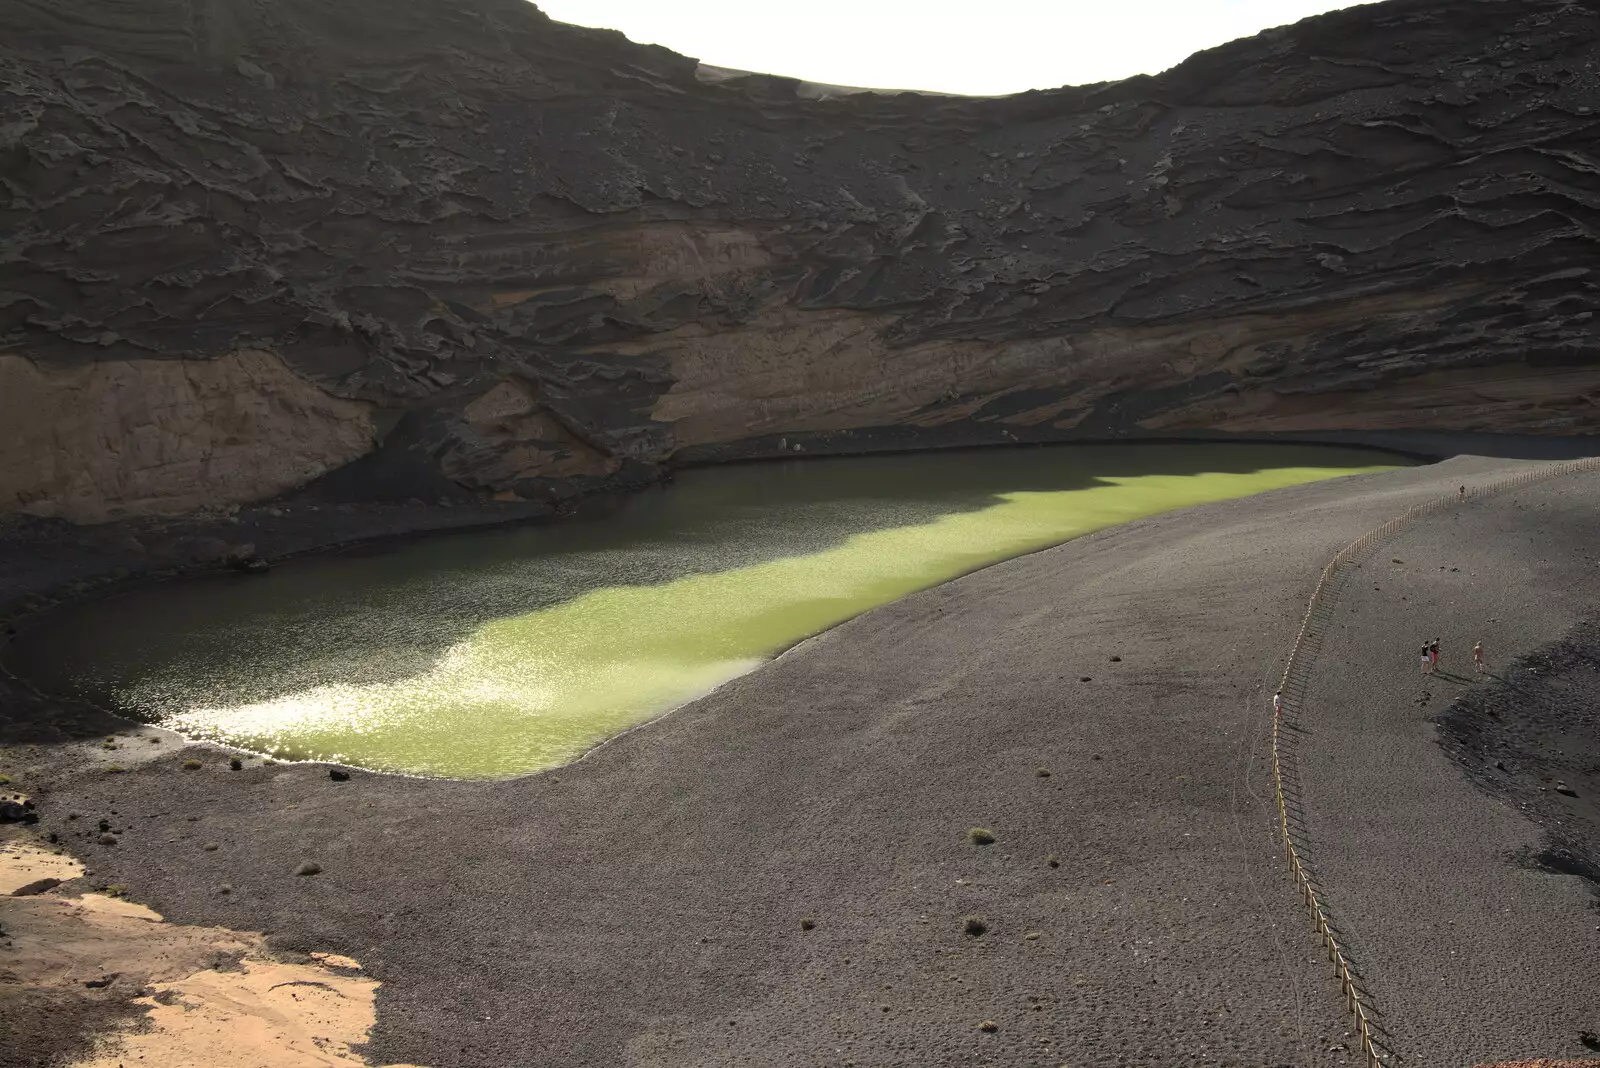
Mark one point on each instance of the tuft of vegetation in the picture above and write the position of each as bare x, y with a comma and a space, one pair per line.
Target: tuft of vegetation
1053, 861
980, 836
1043, 773
807, 923
974, 926
5, 780
113, 769
988, 1027
192, 765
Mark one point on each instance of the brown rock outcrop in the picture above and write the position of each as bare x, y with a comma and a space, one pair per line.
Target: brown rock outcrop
544, 257
90, 442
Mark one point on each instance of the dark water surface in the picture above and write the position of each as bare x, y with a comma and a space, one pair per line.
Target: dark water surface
503, 652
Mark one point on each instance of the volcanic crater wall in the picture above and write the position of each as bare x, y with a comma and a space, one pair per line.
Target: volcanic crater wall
457, 240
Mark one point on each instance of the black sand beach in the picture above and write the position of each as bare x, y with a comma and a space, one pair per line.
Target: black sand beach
1430, 854
780, 873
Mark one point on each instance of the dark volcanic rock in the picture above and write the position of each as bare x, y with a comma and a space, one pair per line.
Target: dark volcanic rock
461, 245
1540, 721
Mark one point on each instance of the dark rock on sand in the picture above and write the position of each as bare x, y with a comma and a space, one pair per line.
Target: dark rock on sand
12, 811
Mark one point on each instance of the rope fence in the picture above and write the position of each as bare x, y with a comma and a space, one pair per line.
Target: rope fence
1296, 677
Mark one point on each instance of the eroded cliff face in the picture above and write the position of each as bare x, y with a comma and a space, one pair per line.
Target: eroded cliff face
541, 257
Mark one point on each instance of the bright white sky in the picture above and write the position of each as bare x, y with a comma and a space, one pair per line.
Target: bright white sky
952, 46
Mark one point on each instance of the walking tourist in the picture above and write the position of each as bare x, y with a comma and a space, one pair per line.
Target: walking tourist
1427, 659
1478, 665
1433, 653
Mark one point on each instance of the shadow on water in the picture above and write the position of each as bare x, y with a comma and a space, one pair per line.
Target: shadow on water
380, 614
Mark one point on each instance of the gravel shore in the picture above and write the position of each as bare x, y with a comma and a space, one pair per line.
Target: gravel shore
1429, 854
781, 872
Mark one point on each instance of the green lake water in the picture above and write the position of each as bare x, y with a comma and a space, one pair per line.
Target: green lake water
498, 653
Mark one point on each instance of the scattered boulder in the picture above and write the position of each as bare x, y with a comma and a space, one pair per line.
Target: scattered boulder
1563, 788
18, 810
107, 839
309, 867
338, 775
245, 558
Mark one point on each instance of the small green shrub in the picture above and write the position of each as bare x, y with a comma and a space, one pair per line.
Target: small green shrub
981, 836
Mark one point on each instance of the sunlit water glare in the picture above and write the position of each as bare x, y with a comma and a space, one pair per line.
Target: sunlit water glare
499, 653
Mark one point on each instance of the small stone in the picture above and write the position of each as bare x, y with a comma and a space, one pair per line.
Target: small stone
101, 983
338, 776
1095, 757
236, 764
225, 888
1085, 678
107, 839
309, 867
210, 847
988, 1027
1116, 660
1043, 773
1032, 936
1563, 788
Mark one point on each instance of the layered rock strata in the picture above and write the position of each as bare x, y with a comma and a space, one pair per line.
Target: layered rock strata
245, 243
